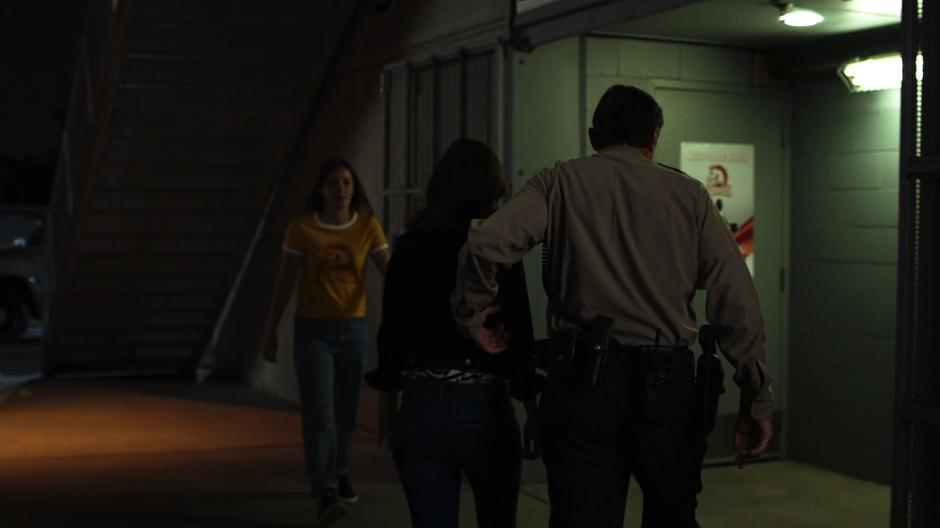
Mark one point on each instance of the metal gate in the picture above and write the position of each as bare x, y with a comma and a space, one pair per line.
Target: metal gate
916, 487
429, 104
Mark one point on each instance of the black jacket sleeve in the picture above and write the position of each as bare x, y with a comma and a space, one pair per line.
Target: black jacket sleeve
524, 382
390, 342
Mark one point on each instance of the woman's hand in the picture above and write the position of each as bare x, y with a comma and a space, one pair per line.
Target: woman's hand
531, 433
380, 258
388, 416
287, 271
269, 348
531, 439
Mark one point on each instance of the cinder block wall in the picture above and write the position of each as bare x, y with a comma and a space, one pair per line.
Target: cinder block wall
844, 253
642, 63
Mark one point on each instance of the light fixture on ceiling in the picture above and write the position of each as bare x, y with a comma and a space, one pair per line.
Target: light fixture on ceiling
801, 18
796, 17
884, 72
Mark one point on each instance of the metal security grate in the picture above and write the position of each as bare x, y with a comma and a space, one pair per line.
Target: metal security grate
429, 104
926, 294
916, 482
925, 479
927, 78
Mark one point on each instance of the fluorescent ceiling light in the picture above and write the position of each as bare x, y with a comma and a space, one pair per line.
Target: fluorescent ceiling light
877, 73
875, 7
801, 18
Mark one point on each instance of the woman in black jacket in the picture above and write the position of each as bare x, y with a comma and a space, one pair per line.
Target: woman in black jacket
456, 416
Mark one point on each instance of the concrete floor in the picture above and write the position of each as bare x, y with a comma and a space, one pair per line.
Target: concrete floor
148, 453
19, 362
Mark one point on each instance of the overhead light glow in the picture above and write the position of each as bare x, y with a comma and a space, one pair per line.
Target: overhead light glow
801, 18
877, 73
876, 7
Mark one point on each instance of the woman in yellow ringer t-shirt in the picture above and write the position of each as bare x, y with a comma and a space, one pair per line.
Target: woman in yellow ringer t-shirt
330, 246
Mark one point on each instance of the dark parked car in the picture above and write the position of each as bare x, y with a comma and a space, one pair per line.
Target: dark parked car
21, 283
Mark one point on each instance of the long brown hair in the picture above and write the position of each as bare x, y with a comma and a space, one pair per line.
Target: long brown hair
466, 184
359, 201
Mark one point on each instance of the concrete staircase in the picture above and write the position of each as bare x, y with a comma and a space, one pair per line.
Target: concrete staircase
183, 118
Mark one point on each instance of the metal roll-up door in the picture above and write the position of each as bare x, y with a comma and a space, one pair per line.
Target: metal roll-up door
429, 104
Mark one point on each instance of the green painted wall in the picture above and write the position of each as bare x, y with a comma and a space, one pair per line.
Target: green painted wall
844, 252
545, 128
647, 64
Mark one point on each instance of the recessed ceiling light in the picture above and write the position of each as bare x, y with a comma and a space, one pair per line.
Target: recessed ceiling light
801, 18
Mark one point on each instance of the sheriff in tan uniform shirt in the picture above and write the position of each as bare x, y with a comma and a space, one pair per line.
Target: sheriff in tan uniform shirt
631, 240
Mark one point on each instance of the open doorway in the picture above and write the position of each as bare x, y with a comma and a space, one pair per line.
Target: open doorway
814, 176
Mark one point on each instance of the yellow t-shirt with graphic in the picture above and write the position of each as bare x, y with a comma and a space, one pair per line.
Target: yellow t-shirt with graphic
332, 278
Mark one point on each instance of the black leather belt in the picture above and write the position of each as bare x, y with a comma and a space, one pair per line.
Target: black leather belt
463, 391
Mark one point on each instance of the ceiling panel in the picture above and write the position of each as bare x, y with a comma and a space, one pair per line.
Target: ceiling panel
753, 23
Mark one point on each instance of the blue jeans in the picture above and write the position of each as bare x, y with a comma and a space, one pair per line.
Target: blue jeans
437, 439
328, 358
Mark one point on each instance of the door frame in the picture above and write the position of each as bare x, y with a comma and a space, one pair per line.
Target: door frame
783, 341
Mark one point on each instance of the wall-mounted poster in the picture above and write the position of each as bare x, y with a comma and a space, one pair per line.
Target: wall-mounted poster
727, 170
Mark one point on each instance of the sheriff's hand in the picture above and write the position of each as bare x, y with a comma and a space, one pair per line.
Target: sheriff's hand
492, 336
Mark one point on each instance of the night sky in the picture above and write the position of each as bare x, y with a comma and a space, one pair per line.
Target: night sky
39, 47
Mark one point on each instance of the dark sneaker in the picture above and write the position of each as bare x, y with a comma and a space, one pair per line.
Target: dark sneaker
346, 492
330, 509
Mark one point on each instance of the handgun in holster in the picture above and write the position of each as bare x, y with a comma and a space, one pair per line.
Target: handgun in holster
577, 357
709, 379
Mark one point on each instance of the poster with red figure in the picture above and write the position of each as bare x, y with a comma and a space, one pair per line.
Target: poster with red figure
727, 170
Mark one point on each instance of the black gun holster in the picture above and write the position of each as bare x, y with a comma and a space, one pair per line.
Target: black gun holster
577, 357
709, 380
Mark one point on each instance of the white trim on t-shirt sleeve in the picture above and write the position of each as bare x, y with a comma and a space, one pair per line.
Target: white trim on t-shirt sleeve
321, 223
292, 251
380, 248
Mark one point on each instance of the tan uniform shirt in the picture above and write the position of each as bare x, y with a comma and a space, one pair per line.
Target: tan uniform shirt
631, 240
